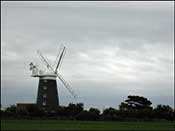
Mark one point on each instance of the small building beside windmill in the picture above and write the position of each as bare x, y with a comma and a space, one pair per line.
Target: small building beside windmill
25, 106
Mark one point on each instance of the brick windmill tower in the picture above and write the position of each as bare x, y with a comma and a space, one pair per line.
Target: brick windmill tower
47, 97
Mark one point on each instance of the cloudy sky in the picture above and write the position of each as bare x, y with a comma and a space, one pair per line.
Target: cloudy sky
114, 49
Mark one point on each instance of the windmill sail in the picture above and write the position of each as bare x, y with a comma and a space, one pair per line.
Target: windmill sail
60, 59
44, 60
59, 52
67, 86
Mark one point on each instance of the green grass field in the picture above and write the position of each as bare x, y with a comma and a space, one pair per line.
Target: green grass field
83, 125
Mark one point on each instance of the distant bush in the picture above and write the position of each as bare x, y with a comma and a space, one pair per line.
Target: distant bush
135, 108
164, 112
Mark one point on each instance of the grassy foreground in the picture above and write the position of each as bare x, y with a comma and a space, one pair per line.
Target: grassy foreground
83, 125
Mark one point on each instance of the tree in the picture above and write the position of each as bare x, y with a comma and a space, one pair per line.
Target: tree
11, 109
74, 109
110, 114
94, 113
62, 111
136, 107
94, 110
80, 106
163, 112
109, 111
135, 103
84, 115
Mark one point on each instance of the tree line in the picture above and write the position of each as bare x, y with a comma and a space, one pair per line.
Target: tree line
133, 108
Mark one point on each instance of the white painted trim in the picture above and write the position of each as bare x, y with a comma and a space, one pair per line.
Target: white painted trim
48, 77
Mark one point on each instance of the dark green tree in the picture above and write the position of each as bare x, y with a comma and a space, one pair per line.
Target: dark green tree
74, 109
84, 115
110, 114
94, 113
164, 112
135, 103
11, 109
80, 106
136, 107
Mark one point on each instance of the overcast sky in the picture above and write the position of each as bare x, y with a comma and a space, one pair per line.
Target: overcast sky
114, 49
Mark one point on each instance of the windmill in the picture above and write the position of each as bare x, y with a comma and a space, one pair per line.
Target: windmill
47, 97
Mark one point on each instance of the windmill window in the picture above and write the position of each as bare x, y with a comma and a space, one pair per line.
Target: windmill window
44, 103
45, 87
44, 95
